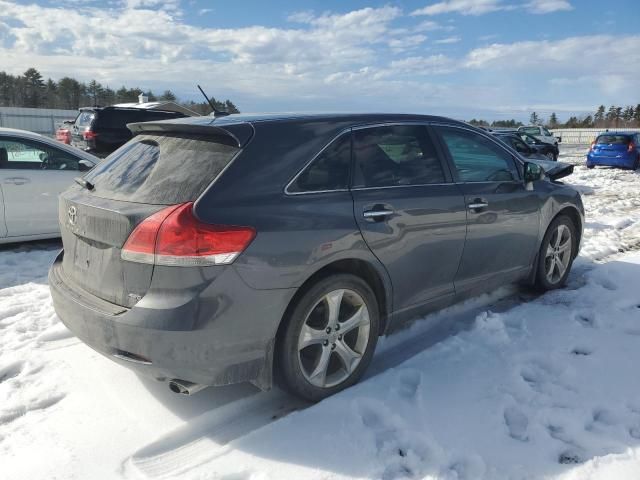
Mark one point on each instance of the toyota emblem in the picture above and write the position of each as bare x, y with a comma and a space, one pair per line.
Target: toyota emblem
72, 213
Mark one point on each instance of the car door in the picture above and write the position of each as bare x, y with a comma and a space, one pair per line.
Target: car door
411, 215
31, 178
502, 215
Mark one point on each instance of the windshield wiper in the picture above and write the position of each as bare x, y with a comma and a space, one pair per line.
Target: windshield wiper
84, 183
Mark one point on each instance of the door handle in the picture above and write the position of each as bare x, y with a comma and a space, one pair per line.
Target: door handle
477, 204
17, 180
377, 214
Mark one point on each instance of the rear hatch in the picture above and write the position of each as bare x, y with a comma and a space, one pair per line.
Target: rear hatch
611, 145
152, 171
83, 121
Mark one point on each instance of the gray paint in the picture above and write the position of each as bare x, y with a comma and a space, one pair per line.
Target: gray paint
217, 325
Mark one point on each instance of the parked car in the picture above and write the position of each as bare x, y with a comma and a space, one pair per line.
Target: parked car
551, 151
102, 130
63, 133
247, 248
529, 146
541, 133
615, 149
515, 141
33, 170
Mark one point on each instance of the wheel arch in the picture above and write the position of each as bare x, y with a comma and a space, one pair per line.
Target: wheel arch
576, 218
354, 266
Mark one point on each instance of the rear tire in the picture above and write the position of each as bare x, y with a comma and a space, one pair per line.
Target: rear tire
590, 166
556, 254
329, 338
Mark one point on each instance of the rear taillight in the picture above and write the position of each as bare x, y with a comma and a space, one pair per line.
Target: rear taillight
89, 134
175, 237
632, 147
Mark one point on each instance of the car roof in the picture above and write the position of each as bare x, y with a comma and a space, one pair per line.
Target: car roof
49, 141
127, 109
355, 118
613, 132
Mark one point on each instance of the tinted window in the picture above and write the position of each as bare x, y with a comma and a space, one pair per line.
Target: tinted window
613, 139
395, 155
114, 118
328, 171
476, 158
161, 169
519, 145
29, 155
84, 119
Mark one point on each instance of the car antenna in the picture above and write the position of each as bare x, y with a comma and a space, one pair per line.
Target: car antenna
216, 112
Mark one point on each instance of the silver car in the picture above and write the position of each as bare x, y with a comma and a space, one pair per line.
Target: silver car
34, 170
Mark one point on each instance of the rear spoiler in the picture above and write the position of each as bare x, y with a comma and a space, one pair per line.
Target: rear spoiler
235, 134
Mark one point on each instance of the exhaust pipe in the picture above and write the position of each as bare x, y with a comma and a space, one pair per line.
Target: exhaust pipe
184, 387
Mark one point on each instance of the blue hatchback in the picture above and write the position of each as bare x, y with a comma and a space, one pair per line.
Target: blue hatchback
615, 149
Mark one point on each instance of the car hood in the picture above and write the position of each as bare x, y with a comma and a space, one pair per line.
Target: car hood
553, 170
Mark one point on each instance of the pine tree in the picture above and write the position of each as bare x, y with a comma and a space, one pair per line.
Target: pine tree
534, 119
553, 120
33, 88
94, 91
168, 96
598, 118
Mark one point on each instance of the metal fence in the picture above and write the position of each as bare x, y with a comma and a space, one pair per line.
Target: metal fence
39, 120
584, 136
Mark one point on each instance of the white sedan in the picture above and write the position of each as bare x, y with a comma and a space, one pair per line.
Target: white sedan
33, 170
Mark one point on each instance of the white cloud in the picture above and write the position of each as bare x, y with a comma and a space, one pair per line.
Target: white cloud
448, 40
548, 6
464, 7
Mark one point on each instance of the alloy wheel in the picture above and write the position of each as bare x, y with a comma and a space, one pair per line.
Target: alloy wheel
558, 254
333, 338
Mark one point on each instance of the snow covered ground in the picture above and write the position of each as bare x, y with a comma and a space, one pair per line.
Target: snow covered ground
529, 387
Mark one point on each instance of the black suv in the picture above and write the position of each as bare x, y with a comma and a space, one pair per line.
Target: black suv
209, 251
102, 130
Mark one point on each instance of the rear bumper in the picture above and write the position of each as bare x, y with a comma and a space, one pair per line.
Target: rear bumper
623, 160
163, 340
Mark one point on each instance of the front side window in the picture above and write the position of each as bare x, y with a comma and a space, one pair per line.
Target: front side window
395, 156
22, 154
476, 158
547, 132
328, 171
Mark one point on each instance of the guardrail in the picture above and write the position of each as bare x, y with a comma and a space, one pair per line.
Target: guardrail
584, 136
39, 120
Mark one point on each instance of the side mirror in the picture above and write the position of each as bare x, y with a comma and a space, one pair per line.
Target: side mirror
559, 139
532, 173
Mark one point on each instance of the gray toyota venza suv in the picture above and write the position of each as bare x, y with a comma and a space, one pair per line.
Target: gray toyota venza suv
209, 251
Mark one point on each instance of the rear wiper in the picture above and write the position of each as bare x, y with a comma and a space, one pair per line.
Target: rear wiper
84, 183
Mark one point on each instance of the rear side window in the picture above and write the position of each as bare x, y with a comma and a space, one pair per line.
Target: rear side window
161, 169
328, 171
394, 156
613, 139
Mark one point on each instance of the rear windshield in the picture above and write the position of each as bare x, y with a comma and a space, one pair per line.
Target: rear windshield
614, 139
84, 119
531, 130
161, 169
119, 118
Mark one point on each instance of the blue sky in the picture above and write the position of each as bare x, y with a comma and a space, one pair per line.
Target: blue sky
462, 58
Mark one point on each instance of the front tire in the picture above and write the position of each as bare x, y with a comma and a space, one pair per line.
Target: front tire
329, 338
556, 254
